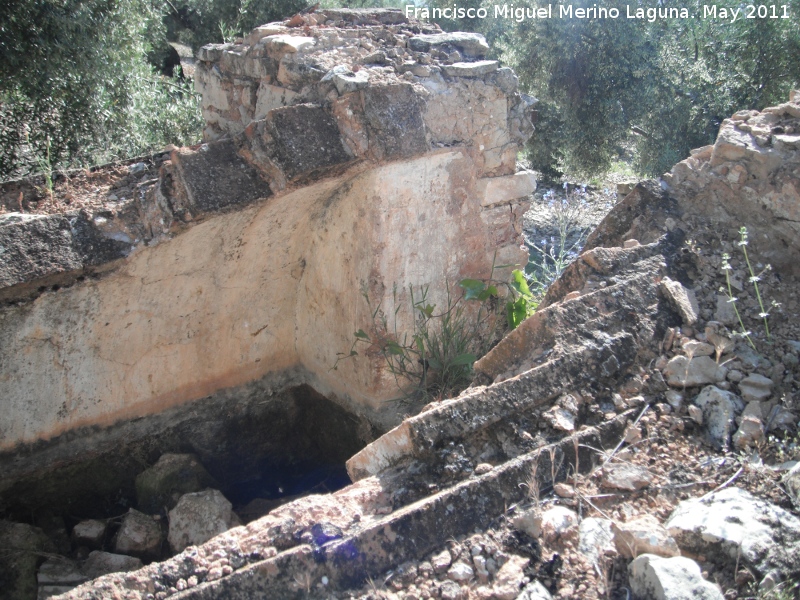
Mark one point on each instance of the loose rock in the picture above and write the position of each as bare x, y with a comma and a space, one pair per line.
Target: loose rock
682, 372
625, 476
139, 535
755, 388
172, 476
197, 518
731, 523
677, 578
644, 534
719, 409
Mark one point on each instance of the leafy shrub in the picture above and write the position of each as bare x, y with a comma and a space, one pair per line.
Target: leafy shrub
435, 359
75, 77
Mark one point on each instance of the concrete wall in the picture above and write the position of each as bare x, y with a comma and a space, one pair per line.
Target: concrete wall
248, 260
248, 293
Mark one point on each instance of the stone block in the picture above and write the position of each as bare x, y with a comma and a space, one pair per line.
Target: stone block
498, 190
470, 44
215, 177
393, 114
470, 69
35, 246
347, 81
270, 97
306, 139
42, 250
277, 46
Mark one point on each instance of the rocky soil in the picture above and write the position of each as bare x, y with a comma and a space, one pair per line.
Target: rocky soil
636, 438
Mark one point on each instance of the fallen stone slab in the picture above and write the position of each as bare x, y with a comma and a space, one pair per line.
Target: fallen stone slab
41, 251
305, 140
214, 177
366, 547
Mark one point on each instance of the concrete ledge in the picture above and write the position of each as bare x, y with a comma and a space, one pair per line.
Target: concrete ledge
497, 190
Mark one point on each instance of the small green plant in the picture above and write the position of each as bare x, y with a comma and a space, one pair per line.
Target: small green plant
45, 167
521, 303
754, 279
233, 30
549, 259
436, 358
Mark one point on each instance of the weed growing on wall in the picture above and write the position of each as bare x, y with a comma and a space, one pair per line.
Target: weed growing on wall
435, 359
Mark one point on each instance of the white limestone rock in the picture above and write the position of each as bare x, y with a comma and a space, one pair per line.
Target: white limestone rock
677, 578
733, 524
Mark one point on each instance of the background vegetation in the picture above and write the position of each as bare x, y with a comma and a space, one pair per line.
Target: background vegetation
87, 77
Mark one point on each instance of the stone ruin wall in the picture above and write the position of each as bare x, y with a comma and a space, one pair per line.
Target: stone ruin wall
362, 150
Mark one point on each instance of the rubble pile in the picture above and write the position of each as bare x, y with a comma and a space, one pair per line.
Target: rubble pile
632, 437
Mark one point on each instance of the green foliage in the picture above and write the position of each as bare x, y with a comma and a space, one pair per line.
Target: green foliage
436, 358
548, 260
671, 81
589, 74
199, 22
75, 84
